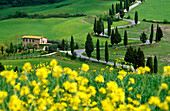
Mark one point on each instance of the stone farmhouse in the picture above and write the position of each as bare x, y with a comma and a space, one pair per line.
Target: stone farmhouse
36, 41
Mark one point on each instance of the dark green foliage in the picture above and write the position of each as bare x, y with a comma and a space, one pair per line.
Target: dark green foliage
95, 26
121, 7
1, 67
157, 36
129, 55
53, 48
136, 17
150, 64
77, 46
100, 26
122, 13
11, 49
159, 33
113, 9
143, 37
155, 65
16, 69
106, 52
127, 5
135, 59
2, 50
109, 27
113, 38
72, 45
110, 11
63, 45
74, 56
98, 50
151, 35
117, 36
141, 58
89, 47
125, 38
117, 7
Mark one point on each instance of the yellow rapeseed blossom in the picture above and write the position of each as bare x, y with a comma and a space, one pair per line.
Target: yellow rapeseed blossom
57, 71
3, 95
42, 73
131, 81
164, 86
166, 70
122, 72
24, 90
27, 66
154, 100
138, 96
85, 67
111, 68
17, 87
102, 90
53, 63
111, 86
99, 78
67, 70
168, 99
130, 88
120, 77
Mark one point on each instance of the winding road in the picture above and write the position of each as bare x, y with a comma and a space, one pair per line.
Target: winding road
80, 51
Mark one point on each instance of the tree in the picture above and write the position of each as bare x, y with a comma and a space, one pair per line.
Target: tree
136, 17
16, 69
11, 49
160, 33
117, 36
113, 9
113, 38
129, 56
109, 27
99, 26
117, 7
95, 26
150, 64
122, 13
127, 5
63, 44
141, 58
1, 67
110, 12
124, 4
2, 50
89, 47
157, 31
155, 65
135, 59
125, 38
72, 45
151, 35
143, 38
121, 7
106, 52
98, 50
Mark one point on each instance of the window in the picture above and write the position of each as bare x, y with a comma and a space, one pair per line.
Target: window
30, 40
26, 40
23, 40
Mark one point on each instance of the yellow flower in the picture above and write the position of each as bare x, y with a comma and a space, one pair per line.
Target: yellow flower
112, 86
24, 91
147, 69
102, 90
27, 66
166, 70
66, 85
17, 87
85, 67
168, 99
42, 73
122, 72
138, 96
130, 88
23, 78
154, 100
57, 71
99, 78
131, 80
164, 106
53, 63
164, 86
111, 68
120, 77
67, 70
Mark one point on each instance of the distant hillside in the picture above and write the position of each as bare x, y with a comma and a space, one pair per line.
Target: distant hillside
20, 3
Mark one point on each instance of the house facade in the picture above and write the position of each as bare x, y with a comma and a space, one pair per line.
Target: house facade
36, 41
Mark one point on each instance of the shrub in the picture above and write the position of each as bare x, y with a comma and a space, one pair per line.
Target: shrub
74, 56
53, 48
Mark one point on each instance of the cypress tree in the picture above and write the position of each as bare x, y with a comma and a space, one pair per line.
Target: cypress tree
95, 26
135, 59
151, 35
89, 47
117, 36
16, 69
110, 11
113, 9
155, 65
122, 13
117, 8
127, 5
1, 67
124, 4
98, 50
141, 58
129, 56
106, 52
113, 38
63, 44
150, 64
125, 38
11, 50
160, 34
136, 17
72, 45
121, 7
2, 50
143, 38
109, 27
103, 27
157, 36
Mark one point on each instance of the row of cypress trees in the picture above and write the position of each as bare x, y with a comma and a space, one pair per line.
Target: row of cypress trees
153, 67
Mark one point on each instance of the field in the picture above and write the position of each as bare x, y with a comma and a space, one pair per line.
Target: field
152, 10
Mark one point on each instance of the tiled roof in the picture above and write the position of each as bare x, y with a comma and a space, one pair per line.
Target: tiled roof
32, 37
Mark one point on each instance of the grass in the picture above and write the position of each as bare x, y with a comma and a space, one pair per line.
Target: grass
52, 28
152, 10
160, 50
